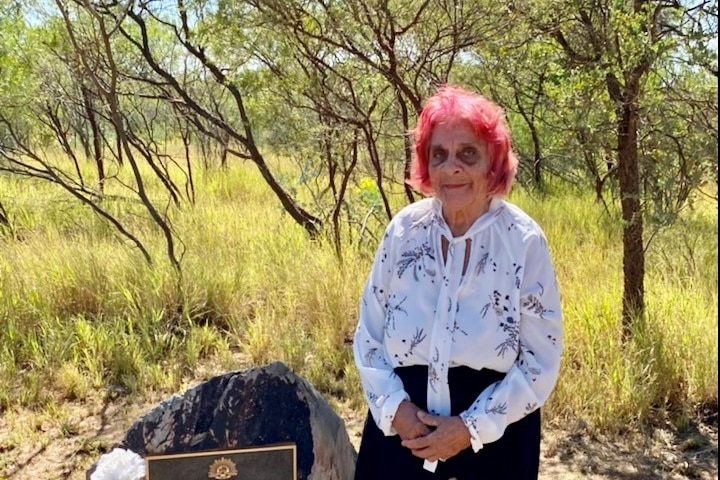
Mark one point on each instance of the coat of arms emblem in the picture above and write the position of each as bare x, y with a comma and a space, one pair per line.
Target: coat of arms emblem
222, 469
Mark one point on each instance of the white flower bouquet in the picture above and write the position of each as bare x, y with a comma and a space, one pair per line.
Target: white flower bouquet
119, 464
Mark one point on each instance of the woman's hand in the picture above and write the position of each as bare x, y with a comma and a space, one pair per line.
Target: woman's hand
449, 437
407, 422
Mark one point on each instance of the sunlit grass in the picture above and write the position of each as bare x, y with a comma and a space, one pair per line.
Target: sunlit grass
669, 366
81, 311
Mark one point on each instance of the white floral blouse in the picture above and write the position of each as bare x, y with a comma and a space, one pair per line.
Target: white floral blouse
503, 314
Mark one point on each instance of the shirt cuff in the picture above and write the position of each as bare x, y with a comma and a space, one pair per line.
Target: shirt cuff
475, 441
388, 405
430, 466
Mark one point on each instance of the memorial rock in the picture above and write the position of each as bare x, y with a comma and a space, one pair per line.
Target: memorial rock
256, 407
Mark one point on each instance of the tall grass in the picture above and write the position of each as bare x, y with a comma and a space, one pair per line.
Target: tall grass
81, 312
668, 368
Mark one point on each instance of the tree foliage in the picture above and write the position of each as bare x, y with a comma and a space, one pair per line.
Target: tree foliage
614, 96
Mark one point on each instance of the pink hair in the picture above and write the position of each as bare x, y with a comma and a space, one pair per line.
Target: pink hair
486, 119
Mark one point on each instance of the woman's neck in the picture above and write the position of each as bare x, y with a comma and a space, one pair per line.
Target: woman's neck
461, 220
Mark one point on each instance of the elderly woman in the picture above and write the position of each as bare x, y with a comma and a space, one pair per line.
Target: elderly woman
459, 337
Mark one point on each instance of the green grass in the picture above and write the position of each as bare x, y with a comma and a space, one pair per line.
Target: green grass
81, 312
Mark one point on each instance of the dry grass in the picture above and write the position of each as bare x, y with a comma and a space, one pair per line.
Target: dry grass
82, 315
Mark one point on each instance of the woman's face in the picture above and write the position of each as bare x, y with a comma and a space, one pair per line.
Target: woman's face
457, 166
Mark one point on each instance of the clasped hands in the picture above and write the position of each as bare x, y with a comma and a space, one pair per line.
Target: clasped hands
432, 437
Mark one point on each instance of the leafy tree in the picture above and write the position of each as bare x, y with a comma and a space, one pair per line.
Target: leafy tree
633, 48
350, 78
47, 106
212, 115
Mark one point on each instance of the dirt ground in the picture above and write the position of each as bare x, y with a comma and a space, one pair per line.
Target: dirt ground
62, 443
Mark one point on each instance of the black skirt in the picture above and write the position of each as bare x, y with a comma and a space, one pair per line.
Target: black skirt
514, 456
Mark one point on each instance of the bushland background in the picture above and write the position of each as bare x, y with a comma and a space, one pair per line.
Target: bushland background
188, 188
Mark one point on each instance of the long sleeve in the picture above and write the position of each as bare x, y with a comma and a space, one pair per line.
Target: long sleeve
383, 388
538, 331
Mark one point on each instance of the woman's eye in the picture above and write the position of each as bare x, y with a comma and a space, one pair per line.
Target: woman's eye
437, 157
468, 153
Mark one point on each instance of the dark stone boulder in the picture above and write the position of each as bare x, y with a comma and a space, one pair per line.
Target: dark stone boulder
259, 406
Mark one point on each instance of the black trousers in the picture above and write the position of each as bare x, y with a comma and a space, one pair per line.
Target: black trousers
514, 456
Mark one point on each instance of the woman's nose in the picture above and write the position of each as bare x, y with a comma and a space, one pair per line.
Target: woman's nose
453, 162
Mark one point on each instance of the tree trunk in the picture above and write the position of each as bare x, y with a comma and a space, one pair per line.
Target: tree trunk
404, 114
629, 179
4, 221
96, 135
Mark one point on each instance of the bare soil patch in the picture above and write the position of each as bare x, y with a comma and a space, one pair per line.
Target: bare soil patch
62, 442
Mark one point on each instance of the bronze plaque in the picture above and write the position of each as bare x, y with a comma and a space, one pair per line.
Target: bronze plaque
269, 462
